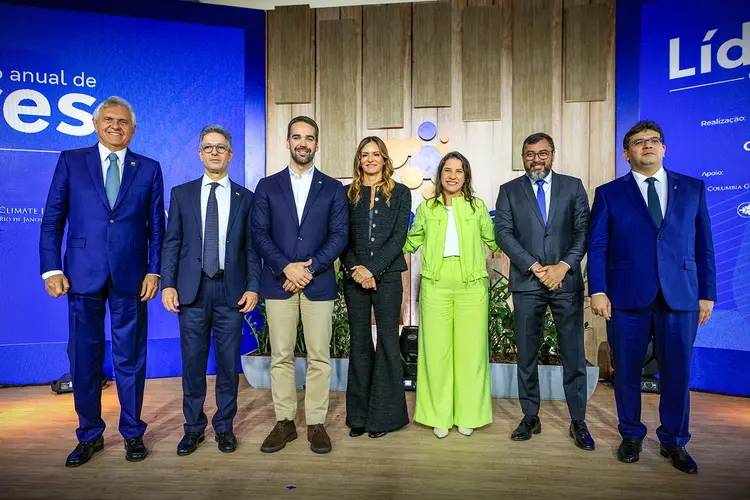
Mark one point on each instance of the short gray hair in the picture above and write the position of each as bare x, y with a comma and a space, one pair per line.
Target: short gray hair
111, 102
218, 129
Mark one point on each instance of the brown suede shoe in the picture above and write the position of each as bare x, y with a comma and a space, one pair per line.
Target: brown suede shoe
319, 440
283, 432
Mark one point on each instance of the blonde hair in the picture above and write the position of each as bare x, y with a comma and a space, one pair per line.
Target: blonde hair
387, 184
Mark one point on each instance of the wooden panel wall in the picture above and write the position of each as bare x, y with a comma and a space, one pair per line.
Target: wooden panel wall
338, 52
431, 49
386, 33
290, 54
584, 132
587, 29
481, 46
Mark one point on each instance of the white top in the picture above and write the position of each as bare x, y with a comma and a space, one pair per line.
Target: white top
661, 185
547, 186
451, 236
104, 156
301, 188
223, 200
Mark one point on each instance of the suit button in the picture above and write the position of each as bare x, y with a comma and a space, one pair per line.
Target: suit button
299, 238
546, 235
372, 239
376, 211
111, 221
371, 254
373, 225
377, 199
659, 237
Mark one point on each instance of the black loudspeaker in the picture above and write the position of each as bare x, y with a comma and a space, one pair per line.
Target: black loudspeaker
649, 382
409, 351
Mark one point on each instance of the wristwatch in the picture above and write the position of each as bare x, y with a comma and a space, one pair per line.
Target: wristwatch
310, 270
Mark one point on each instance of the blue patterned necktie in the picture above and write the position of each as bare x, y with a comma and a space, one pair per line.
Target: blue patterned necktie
211, 236
112, 184
540, 199
654, 205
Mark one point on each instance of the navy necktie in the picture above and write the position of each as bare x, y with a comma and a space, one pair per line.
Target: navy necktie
112, 183
540, 199
211, 235
654, 205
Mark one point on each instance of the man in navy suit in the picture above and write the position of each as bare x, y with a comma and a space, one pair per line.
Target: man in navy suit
210, 276
652, 274
113, 201
300, 226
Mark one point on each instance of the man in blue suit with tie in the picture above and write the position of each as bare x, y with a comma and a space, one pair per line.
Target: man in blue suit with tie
113, 202
300, 227
210, 275
652, 274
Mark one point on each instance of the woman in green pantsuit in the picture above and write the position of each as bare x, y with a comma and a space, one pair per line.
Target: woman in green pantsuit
453, 373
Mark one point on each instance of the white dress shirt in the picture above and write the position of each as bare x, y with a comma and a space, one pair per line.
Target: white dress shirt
547, 186
104, 157
661, 185
451, 236
301, 188
223, 200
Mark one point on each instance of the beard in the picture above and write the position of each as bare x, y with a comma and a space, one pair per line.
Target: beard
538, 176
303, 161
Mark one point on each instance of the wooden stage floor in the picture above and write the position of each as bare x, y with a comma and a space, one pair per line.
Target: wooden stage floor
36, 434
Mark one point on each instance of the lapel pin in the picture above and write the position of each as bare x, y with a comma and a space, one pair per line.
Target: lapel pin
237, 193
132, 164
320, 182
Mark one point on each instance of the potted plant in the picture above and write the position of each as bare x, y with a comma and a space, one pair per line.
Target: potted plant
502, 346
257, 365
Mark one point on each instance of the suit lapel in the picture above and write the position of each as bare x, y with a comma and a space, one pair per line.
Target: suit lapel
673, 191
129, 171
555, 196
630, 185
95, 169
234, 203
315, 187
194, 195
285, 184
529, 192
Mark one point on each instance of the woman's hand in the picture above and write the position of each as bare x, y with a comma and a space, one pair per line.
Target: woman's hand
360, 274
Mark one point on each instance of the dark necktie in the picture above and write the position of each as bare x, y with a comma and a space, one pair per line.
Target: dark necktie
654, 205
540, 199
211, 235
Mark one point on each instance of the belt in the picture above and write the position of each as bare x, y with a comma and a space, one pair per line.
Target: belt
217, 276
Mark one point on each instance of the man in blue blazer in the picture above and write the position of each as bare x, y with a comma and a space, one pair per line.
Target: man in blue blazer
300, 226
210, 275
652, 274
113, 202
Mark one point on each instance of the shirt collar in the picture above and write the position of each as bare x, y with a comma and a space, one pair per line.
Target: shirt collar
660, 175
223, 182
104, 153
307, 173
547, 180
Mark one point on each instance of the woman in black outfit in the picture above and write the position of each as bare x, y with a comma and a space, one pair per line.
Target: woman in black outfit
379, 211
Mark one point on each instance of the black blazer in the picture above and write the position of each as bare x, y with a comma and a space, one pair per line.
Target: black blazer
520, 231
382, 252
182, 249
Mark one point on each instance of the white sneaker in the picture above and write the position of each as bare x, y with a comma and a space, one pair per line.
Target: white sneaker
465, 431
440, 433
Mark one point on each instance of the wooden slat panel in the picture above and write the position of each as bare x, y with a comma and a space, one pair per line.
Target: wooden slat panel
431, 55
290, 54
587, 30
481, 47
385, 42
532, 62
337, 65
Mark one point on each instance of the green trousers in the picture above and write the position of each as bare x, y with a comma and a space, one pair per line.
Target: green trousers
453, 369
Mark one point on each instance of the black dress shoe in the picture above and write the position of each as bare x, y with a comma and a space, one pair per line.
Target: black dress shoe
527, 427
84, 452
227, 441
375, 435
580, 433
629, 450
189, 443
356, 431
135, 450
681, 459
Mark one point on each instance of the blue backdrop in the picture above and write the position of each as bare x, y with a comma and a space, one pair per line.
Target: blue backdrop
182, 67
685, 65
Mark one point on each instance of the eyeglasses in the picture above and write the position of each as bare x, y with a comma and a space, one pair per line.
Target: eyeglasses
220, 148
543, 155
654, 141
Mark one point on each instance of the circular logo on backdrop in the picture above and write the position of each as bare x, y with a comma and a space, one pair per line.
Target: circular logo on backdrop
743, 210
